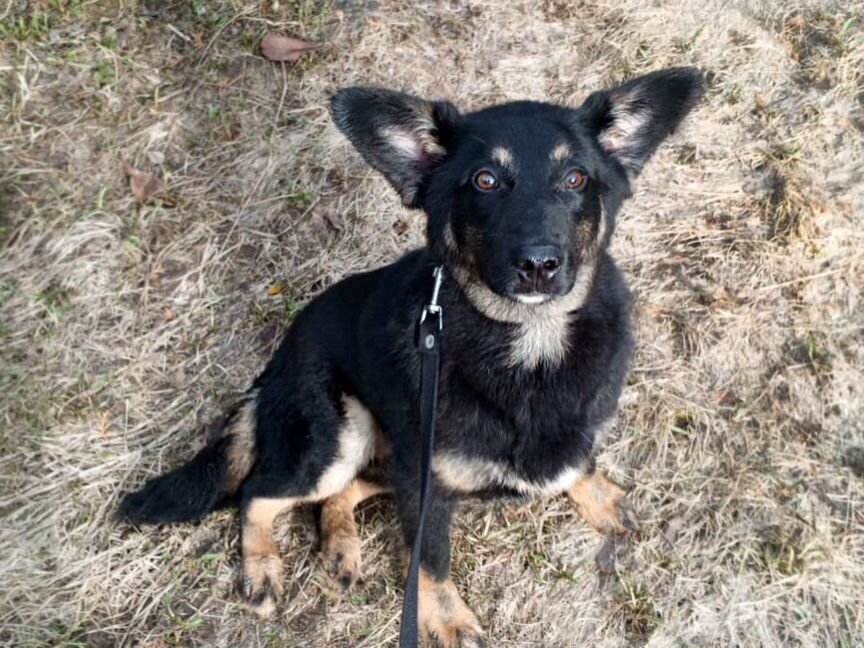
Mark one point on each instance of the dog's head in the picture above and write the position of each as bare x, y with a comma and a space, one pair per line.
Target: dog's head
521, 197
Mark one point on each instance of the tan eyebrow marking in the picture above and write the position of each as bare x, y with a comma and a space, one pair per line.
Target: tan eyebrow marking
503, 156
560, 152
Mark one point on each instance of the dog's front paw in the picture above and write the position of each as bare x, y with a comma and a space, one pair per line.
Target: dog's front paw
445, 618
262, 584
454, 635
603, 505
458, 630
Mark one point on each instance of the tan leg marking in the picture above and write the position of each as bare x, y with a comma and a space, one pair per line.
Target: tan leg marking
382, 448
340, 541
602, 504
444, 616
262, 566
241, 452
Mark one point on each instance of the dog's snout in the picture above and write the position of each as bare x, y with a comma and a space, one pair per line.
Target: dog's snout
538, 264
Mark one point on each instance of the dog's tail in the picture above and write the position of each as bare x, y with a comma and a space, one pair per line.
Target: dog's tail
199, 486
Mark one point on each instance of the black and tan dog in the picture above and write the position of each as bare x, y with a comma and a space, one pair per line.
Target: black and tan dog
521, 200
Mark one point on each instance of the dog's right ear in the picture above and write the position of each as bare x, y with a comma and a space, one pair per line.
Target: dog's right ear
402, 136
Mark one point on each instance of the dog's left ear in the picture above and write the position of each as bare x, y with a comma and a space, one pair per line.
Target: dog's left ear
402, 136
632, 119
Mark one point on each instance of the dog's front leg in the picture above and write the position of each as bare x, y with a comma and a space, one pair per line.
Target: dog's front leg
442, 614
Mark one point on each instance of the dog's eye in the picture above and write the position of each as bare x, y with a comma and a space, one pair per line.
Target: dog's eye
574, 180
485, 180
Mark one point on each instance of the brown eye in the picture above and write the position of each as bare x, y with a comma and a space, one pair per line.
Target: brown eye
485, 180
575, 180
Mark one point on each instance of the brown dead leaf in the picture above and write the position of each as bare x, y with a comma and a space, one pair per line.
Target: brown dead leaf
724, 298
795, 23
673, 528
274, 290
276, 47
104, 424
144, 185
655, 309
334, 220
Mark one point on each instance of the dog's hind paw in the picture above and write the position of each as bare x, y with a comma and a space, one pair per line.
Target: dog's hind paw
342, 561
340, 544
262, 584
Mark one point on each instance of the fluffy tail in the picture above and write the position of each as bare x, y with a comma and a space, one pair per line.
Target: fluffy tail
198, 487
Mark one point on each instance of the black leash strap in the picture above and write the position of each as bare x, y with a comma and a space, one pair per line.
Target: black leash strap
427, 339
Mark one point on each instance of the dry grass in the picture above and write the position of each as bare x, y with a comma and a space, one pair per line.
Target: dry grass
125, 328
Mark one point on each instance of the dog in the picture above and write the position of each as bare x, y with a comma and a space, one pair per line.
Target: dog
520, 200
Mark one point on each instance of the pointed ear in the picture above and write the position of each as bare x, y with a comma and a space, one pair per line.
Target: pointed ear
402, 136
631, 120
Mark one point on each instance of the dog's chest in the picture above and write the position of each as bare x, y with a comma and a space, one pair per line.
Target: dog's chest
538, 446
474, 474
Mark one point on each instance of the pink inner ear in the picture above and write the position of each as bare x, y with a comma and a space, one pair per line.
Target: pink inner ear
418, 146
624, 128
621, 137
406, 142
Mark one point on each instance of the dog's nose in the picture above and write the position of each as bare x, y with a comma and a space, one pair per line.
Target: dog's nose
538, 264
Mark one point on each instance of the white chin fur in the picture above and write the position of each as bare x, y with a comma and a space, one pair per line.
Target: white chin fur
531, 299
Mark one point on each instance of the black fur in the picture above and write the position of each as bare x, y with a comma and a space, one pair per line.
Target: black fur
536, 417
186, 493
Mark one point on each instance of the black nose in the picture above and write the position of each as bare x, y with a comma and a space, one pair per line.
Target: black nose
538, 264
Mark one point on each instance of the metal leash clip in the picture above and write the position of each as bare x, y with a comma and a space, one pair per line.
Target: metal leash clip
432, 308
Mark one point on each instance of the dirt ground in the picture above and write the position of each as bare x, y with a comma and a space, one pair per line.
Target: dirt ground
125, 327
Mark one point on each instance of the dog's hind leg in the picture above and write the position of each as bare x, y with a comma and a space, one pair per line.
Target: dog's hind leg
301, 459
340, 542
262, 566
602, 504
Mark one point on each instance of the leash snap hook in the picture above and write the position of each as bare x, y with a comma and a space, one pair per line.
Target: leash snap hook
433, 308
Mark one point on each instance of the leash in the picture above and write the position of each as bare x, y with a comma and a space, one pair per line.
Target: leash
427, 340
